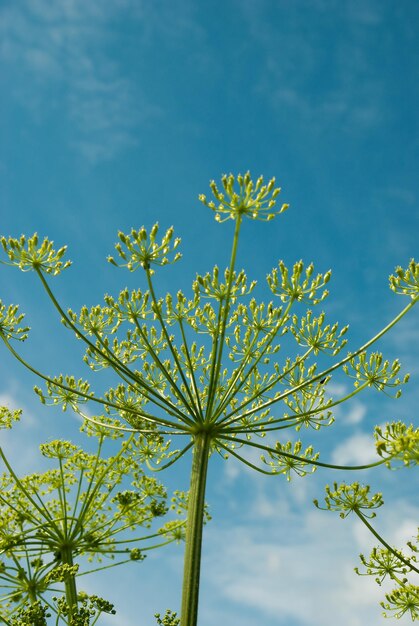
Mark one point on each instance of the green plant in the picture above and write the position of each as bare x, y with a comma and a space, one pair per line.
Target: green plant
398, 445
55, 524
205, 367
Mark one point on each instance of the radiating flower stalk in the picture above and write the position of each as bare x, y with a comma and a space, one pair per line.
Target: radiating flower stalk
81, 516
205, 367
397, 444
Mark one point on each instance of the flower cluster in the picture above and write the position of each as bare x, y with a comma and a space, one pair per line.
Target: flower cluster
301, 286
204, 367
289, 458
253, 200
209, 286
382, 564
398, 441
30, 614
402, 601
376, 372
141, 249
27, 255
50, 519
406, 282
65, 391
169, 619
8, 416
311, 332
348, 498
10, 320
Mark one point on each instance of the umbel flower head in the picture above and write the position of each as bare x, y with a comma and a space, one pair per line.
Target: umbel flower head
254, 200
402, 601
351, 498
209, 363
141, 249
406, 282
8, 416
28, 254
397, 441
208, 367
79, 507
10, 320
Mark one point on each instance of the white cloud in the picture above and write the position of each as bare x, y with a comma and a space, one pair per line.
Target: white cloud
10, 399
336, 389
349, 413
355, 414
300, 567
232, 470
16, 443
358, 450
59, 51
405, 339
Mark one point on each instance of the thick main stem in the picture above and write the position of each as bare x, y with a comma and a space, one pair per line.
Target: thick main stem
70, 584
192, 566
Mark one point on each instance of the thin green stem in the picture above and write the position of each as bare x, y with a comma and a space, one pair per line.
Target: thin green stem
303, 459
384, 542
213, 359
191, 370
113, 361
99, 569
147, 548
146, 416
62, 497
152, 536
194, 528
161, 367
262, 391
191, 407
42, 510
295, 416
329, 370
143, 387
77, 501
125, 429
91, 493
86, 497
233, 391
108, 530
216, 365
175, 458
246, 462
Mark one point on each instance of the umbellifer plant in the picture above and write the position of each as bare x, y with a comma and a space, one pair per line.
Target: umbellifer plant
76, 518
398, 445
204, 368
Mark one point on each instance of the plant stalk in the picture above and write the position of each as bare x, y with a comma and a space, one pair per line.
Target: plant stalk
195, 523
70, 584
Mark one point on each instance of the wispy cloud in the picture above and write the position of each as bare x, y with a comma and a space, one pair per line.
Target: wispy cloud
405, 341
16, 443
10, 400
299, 569
323, 80
347, 414
354, 414
358, 449
57, 55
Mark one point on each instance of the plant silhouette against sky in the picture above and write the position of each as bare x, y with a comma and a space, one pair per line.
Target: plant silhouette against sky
207, 367
75, 519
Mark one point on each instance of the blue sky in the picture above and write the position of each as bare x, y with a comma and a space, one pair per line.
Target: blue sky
117, 114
